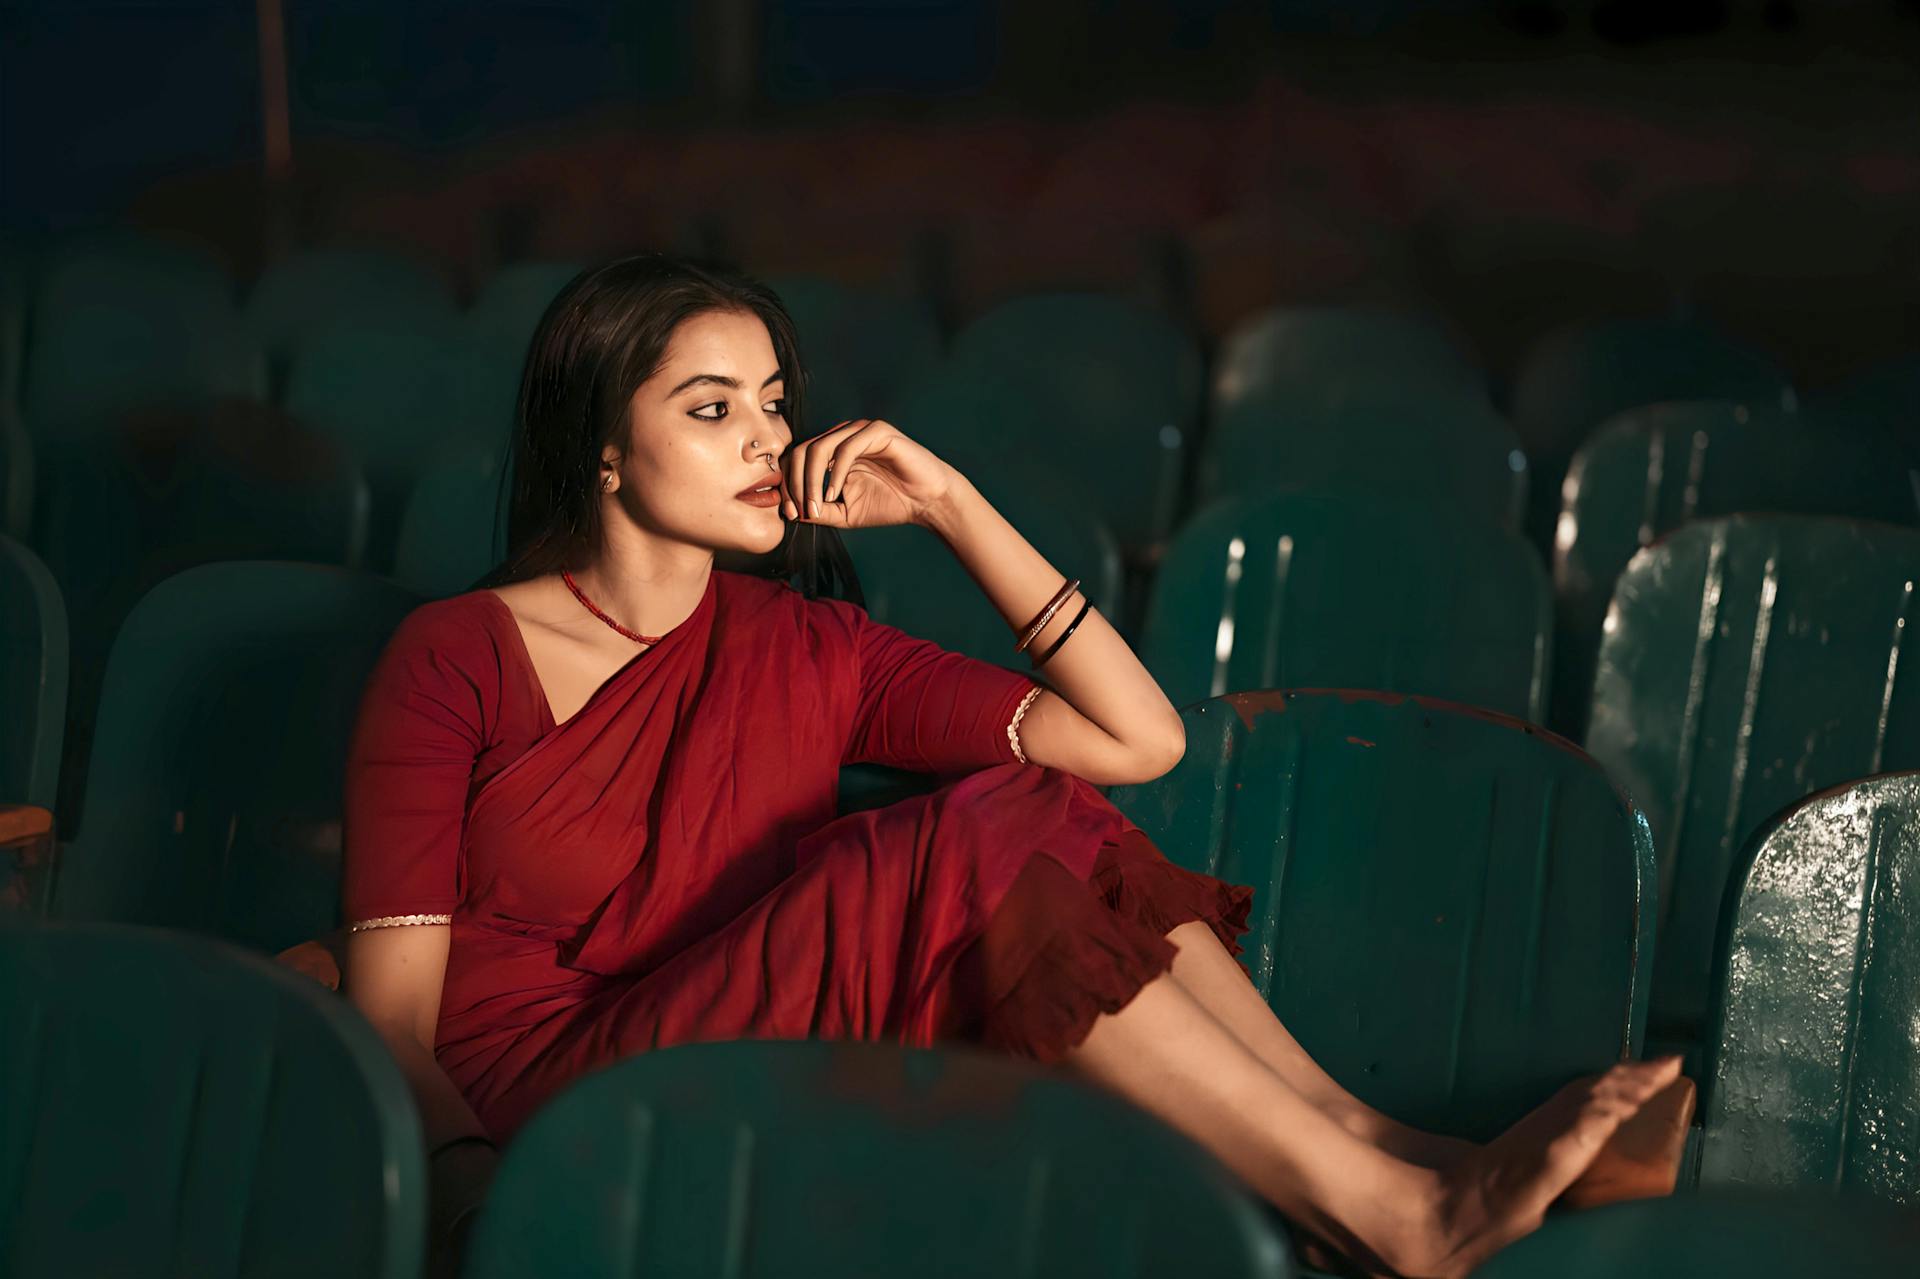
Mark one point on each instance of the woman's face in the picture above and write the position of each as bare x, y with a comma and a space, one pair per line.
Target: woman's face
692, 432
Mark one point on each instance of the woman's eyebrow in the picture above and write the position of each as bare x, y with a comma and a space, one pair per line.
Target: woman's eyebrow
732, 383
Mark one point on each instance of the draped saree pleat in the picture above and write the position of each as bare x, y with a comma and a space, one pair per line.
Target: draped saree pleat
666, 865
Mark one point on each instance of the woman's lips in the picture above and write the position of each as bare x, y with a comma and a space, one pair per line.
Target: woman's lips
761, 497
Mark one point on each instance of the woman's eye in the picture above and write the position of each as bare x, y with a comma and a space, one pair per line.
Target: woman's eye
702, 413
778, 406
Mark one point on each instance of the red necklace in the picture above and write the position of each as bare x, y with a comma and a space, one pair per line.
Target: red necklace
593, 608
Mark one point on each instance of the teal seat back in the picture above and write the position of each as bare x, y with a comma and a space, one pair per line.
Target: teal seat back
1097, 390
17, 480
1444, 450
454, 528
213, 795
1747, 662
400, 401
1453, 910
1577, 377
385, 393
815, 1157
506, 314
1815, 1080
123, 324
1651, 470
33, 677
172, 1106
1295, 590
1753, 1236
122, 512
876, 342
913, 581
1289, 348
316, 290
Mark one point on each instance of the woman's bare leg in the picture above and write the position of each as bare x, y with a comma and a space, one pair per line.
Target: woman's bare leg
1167, 1054
1219, 984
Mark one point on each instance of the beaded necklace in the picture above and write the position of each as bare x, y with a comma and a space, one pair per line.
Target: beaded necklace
593, 608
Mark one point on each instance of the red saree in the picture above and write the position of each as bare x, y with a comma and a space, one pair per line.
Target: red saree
666, 866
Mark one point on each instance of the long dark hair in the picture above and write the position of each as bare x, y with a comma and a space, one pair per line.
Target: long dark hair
605, 334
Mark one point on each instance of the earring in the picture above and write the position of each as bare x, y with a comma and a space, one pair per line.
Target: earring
606, 483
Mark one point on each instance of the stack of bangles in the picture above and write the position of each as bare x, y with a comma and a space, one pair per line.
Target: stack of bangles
1032, 630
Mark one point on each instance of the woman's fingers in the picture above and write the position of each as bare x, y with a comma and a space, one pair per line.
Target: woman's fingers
819, 457
869, 436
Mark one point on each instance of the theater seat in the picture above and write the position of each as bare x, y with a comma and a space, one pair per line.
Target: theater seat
172, 1106
1650, 470
849, 1158
912, 580
1292, 348
1445, 450
1577, 377
124, 323
508, 310
1292, 590
878, 342
214, 792
1753, 1236
1746, 663
1098, 390
400, 401
1452, 909
317, 290
1815, 1077
33, 677
454, 529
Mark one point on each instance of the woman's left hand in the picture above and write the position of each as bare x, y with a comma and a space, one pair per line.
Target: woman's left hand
863, 474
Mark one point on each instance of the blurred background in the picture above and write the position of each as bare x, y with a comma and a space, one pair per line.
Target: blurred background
1558, 360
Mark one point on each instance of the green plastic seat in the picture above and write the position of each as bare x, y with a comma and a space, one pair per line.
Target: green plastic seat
507, 312
1287, 349
119, 514
876, 341
17, 480
122, 324
1577, 377
1444, 450
814, 1157
400, 402
172, 1106
1452, 909
14, 271
1886, 396
1296, 590
317, 290
1651, 470
454, 529
1815, 1078
913, 581
1707, 1236
1095, 389
1746, 663
33, 677
213, 796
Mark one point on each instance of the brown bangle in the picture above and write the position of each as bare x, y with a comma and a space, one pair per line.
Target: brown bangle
1071, 627
1039, 623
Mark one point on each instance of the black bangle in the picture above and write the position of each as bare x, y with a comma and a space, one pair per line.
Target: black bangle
471, 1139
1064, 635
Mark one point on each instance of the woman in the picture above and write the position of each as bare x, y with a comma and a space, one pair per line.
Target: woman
591, 806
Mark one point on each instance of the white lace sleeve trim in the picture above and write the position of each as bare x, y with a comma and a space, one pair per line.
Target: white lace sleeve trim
1013, 725
397, 921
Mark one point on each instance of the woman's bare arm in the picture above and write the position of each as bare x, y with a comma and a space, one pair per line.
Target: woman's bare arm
1105, 719
394, 976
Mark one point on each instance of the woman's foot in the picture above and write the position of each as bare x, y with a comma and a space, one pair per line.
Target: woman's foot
1502, 1190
